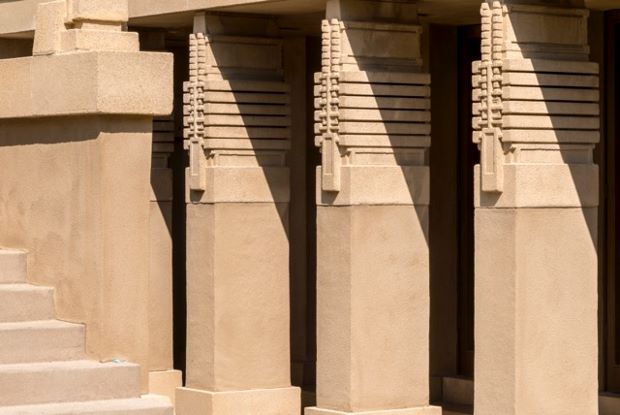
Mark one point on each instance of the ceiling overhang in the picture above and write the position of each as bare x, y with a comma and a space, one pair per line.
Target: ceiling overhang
17, 16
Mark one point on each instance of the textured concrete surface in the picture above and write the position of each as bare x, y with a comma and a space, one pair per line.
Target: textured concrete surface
43, 366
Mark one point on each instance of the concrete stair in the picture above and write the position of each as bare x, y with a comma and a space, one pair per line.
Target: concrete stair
12, 266
25, 302
137, 406
47, 340
457, 396
43, 365
609, 404
451, 409
82, 380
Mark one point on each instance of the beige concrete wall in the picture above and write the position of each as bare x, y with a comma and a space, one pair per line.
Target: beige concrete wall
160, 286
163, 379
75, 183
75, 193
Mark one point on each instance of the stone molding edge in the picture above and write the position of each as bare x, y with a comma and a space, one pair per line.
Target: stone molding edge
86, 83
378, 186
250, 185
542, 186
285, 400
423, 410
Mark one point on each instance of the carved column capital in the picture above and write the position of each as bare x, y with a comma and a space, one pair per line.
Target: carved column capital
372, 104
535, 104
237, 111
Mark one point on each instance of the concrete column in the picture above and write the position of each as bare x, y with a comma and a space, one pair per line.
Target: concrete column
238, 135
75, 157
536, 212
373, 127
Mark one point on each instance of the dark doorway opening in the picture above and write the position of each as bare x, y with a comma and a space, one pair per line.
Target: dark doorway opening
611, 204
304, 157
452, 158
170, 159
468, 157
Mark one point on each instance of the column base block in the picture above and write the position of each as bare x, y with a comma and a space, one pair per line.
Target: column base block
282, 401
422, 410
165, 383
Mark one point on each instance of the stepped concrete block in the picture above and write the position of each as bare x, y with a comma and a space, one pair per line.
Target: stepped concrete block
12, 266
609, 404
146, 406
69, 381
448, 409
48, 340
458, 391
25, 302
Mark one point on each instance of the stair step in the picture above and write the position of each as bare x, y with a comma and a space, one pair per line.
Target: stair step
458, 391
25, 302
609, 404
12, 266
146, 406
72, 381
46, 341
447, 409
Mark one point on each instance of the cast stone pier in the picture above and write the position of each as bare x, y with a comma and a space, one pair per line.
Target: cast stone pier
237, 106
536, 194
373, 127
